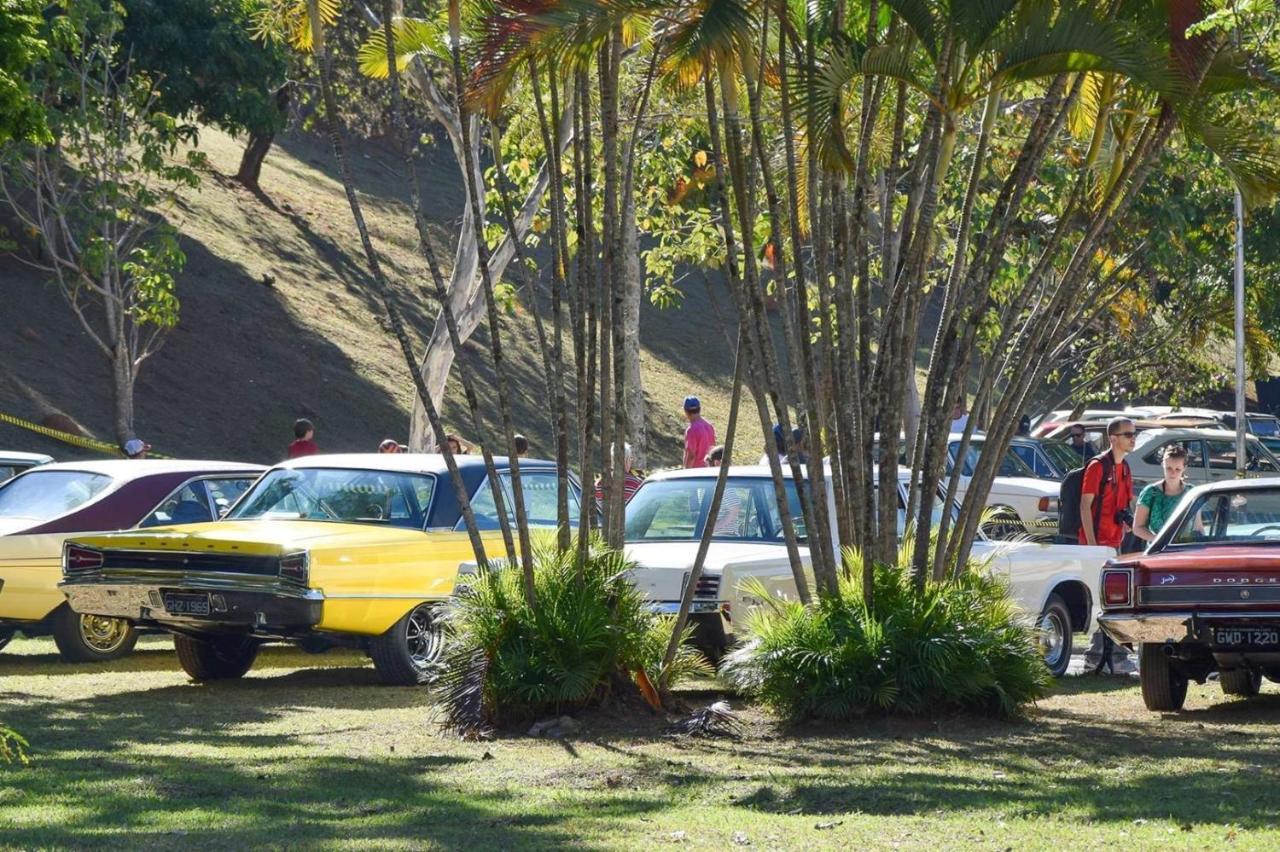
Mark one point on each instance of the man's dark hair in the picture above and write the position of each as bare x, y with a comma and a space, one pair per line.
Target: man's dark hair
301, 427
522, 444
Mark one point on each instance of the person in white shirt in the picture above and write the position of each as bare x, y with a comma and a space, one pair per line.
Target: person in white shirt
959, 416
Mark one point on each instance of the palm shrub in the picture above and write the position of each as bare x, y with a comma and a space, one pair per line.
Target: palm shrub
953, 645
589, 631
12, 746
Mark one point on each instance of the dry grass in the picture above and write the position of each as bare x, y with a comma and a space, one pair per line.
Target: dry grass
309, 751
248, 358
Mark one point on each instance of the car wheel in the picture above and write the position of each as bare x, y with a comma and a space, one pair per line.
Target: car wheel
1003, 523
91, 638
1244, 682
1053, 633
215, 657
409, 653
1163, 688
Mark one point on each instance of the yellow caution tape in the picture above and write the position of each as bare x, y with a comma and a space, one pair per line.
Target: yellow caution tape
67, 437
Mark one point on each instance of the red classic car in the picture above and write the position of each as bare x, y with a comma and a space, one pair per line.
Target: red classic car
1205, 596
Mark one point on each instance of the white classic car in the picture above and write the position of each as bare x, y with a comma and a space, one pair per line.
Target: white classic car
1022, 503
1053, 585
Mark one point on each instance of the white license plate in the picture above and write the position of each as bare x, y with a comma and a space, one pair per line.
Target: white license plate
1252, 637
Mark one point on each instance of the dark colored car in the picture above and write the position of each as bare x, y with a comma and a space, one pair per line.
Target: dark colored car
1205, 597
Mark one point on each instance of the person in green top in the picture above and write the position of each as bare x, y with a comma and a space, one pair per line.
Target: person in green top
1158, 500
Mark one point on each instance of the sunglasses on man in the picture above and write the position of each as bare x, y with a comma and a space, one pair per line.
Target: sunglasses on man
1125, 434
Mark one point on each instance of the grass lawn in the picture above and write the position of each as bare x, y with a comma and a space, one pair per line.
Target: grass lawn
309, 751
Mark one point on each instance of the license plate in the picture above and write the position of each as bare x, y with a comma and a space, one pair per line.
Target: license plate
178, 604
1252, 637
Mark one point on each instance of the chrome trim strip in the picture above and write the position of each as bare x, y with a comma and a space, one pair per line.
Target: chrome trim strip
386, 598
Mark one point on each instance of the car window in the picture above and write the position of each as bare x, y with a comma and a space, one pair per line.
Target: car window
675, 509
223, 493
8, 471
1010, 464
1222, 455
41, 495
1062, 456
1264, 426
1195, 453
1236, 517
539, 489
189, 504
339, 494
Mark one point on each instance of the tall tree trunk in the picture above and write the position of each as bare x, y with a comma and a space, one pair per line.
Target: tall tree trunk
474, 195
123, 377
260, 143
376, 275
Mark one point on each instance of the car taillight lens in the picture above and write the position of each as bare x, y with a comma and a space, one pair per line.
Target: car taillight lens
1048, 504
295, 566
77, 559
1115, 588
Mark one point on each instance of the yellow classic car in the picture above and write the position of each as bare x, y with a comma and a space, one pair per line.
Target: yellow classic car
43, 507
322, 551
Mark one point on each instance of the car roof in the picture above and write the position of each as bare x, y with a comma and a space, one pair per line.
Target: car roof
404, 462
745, 471
15, 456
1175, 433
134, 468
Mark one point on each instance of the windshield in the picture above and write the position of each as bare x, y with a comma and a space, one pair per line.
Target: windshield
1267, 427
45, 495
1244, 516
1063, 457
338, 494
1010, 465
676, 510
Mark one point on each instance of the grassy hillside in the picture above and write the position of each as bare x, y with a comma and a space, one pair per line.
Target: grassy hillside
249, 357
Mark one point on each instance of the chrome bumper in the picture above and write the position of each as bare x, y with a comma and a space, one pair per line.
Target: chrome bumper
1131, 628
673, 607
256, 607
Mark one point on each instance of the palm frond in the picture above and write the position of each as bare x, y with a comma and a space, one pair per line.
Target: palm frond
414, 37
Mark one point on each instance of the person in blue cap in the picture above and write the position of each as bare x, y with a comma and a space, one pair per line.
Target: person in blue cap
699, 435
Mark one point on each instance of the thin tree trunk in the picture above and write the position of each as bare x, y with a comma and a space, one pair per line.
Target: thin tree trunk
379, 280
495, 326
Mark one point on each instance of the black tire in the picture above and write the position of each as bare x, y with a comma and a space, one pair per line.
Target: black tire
1054, 634
215, 657
1243, 682
1003, 523
409, 653
1163, 688
91, 638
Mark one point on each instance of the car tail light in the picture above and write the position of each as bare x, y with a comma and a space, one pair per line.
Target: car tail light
1117, 588
295, 566
77, 559
1048, 504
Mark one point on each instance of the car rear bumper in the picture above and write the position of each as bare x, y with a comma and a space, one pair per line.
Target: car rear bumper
274, 610
1133, 628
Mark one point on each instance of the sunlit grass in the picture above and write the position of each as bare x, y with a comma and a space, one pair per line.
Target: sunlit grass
309, 751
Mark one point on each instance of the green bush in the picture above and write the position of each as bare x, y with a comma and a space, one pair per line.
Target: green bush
951, 646
589, 631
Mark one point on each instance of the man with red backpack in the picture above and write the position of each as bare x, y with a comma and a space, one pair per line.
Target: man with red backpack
1106, 515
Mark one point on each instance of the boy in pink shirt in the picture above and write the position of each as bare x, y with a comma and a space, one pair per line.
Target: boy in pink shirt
699, 436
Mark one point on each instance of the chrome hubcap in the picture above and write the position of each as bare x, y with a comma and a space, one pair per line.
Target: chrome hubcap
1053, 638
424, 637
103, 634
